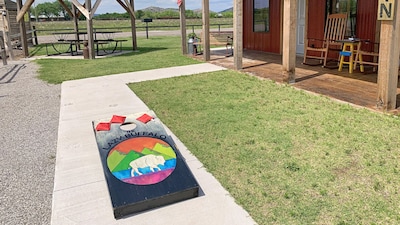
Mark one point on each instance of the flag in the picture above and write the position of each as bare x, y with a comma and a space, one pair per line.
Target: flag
179, 2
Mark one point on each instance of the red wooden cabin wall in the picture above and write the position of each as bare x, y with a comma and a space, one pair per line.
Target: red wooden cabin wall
367, 19
271, 41
316, 19
262, 41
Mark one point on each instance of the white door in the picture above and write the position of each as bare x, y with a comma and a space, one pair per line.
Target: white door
301, 26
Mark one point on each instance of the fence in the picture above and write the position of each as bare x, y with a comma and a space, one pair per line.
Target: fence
144, 28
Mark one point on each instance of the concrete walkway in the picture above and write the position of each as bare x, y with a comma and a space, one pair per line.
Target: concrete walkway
80, 191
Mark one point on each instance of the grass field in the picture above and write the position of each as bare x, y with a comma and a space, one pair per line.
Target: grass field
153, 53
286, 156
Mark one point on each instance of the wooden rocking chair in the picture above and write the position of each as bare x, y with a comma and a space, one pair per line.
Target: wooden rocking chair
335, 29
367, 55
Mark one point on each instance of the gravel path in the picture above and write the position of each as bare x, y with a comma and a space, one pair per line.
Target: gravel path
28, 141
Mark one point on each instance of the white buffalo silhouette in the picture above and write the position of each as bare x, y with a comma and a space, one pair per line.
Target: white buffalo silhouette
151, 161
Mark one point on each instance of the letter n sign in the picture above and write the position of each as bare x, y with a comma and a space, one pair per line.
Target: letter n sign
386, 9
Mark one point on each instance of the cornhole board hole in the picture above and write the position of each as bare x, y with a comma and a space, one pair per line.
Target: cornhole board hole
142, 166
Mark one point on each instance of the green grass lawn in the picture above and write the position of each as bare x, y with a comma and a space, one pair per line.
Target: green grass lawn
286, 156
153, 53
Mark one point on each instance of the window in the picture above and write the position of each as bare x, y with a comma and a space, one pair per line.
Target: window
261, 16
345, 6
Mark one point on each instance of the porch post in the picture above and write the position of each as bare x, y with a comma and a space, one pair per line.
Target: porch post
388, 66
289, 40
238, 34
306, 28
206, 30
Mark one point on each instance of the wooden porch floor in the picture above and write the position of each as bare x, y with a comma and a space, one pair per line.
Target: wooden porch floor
358, 88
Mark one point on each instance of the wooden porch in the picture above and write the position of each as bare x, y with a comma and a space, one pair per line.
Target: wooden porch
358, 88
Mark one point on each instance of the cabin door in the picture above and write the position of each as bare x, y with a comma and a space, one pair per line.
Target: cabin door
301, 26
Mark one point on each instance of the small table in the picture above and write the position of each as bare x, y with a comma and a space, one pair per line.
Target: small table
350, 46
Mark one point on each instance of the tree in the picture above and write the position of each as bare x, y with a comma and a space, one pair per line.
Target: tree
47, 9
139, 14
61, 10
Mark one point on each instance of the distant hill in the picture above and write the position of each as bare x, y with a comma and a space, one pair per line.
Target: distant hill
227, 10
158, 9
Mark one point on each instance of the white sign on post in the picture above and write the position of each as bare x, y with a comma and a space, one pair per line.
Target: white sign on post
386, 9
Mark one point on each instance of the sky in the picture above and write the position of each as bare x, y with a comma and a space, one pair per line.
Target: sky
110, 6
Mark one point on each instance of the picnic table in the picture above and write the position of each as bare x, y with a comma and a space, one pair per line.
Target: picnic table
104, 42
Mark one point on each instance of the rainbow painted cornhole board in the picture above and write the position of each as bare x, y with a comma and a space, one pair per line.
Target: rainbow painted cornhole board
142, 166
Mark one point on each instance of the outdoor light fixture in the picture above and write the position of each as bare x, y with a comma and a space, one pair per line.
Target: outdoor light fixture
4, 13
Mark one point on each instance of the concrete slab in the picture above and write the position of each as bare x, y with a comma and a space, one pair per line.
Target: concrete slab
80, 193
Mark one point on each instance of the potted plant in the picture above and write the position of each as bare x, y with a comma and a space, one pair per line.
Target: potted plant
192, 37
192, 49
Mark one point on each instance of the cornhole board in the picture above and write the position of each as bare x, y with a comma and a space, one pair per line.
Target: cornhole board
141, 163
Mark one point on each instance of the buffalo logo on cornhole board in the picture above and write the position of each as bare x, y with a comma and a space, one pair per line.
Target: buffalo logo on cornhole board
141, 160
142, 166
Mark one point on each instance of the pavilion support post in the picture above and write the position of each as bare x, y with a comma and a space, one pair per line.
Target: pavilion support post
6, 27
289, 40
3, 49
182, 19
238, 34
388, 67
76, 24
206, 29
89, 25
133, 26
129, 6
22, 31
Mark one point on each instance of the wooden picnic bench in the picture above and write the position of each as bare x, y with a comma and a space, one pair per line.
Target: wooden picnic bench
218, 38
108, 46
62, 46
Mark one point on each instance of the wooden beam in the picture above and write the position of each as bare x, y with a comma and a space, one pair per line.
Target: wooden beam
238, 34
7, 28
206, 30
132, 10
133, 25
123, 5
182, 22
81, 8
66, 8
22, 31
129, 6
24, 9
388, 67
289, 40
79, 13
3, 49
93, 10
89, 28
76, 23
